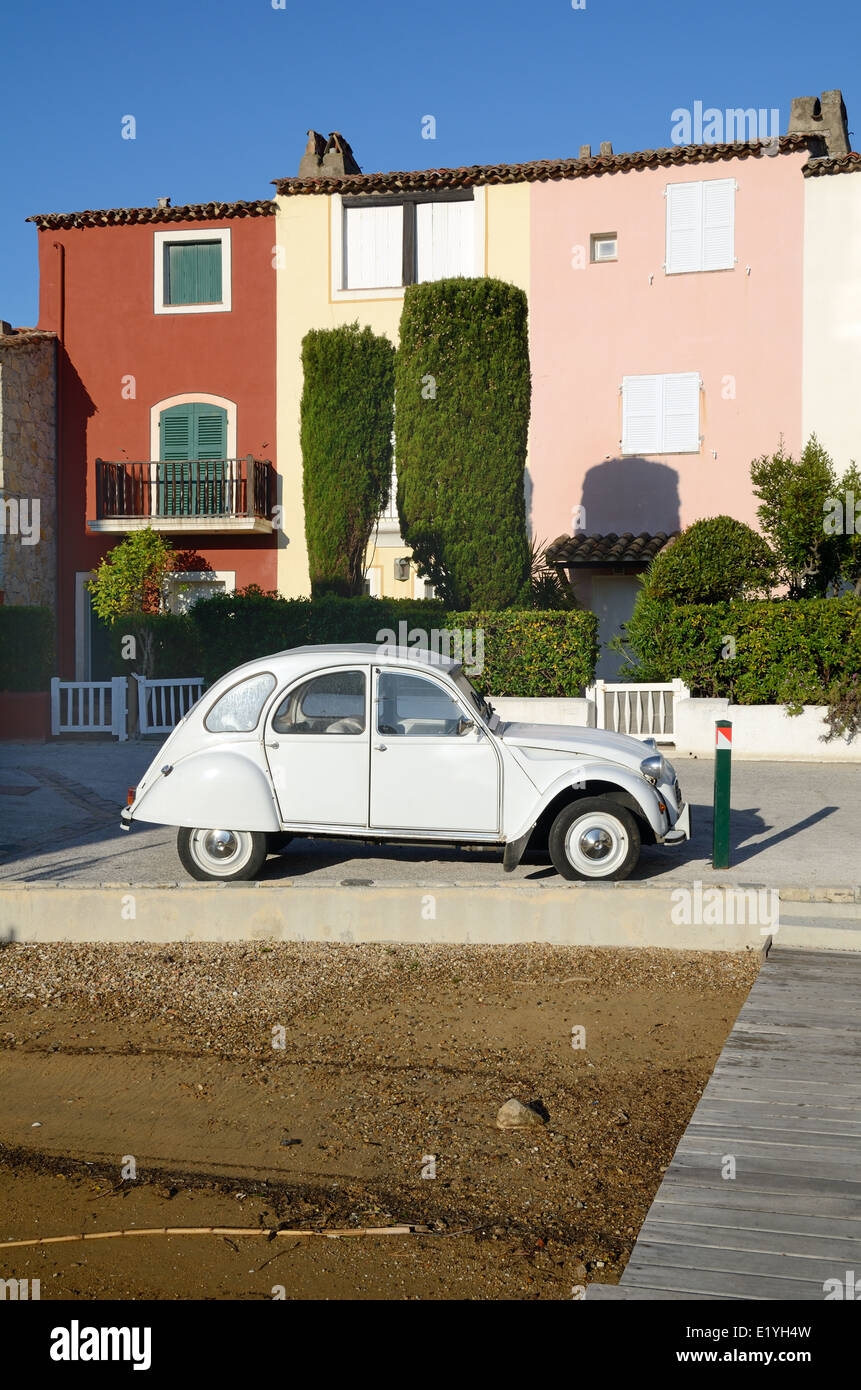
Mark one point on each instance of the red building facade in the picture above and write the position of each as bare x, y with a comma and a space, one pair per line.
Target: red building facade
165, 319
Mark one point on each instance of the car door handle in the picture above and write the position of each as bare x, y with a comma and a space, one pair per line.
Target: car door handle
380, 747
273, 745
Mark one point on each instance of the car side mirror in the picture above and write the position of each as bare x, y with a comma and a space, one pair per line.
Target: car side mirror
464, 725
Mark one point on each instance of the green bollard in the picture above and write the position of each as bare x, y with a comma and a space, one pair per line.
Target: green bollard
723, 774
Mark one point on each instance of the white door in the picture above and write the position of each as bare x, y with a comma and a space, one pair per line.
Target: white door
613, 598
425, 775
317, 747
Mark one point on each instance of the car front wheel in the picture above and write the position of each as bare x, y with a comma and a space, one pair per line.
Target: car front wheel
223, 855
594, 839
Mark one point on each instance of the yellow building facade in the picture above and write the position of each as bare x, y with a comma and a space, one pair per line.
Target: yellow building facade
309, 260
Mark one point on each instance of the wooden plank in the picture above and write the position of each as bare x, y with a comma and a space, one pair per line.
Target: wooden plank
810, 1269
618, 1293
681, 1216
759, 1135
725, 1284
785, 1244
748, 1201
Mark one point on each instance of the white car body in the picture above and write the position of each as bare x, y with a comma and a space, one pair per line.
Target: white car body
373, 749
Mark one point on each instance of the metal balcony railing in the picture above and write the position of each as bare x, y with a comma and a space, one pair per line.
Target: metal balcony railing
198, 488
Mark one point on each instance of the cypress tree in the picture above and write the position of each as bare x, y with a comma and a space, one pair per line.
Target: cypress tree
462, 420
345, 430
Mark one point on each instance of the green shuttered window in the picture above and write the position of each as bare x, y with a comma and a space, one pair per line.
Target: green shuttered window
194, 477
192, 272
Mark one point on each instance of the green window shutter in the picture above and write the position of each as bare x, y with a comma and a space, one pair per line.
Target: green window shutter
192, 272
193, 443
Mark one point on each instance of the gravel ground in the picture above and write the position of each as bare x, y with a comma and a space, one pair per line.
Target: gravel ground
391, 1056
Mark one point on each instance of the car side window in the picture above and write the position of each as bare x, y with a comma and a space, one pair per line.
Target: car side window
414, 707
329, 704
238, 710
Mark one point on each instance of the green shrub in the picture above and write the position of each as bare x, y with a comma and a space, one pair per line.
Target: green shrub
165, 645
768, 652
27, 653
525, 652
463, 396
713, 560
346, 435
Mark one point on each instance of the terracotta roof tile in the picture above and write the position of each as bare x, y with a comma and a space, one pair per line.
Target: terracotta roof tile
840, 164
540, 170
609, 549
22, 336
190, 212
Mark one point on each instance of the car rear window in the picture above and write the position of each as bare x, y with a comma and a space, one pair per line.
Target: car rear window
238, 710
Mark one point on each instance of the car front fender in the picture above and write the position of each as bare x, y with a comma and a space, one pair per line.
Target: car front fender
214, 789
640, 795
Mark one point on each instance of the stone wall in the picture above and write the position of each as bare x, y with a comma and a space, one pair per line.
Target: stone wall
28, 507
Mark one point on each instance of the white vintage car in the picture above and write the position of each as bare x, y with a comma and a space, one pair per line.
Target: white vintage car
394, 744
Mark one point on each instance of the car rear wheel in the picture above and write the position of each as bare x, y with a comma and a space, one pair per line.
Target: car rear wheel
222, 855
594, 839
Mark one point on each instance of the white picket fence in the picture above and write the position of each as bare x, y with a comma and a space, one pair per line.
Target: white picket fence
101, 707
90, 707
162, 703
645, 710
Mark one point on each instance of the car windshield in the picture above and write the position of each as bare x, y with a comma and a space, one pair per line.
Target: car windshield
478, 702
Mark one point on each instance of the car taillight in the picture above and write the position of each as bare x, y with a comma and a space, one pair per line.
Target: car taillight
132, 793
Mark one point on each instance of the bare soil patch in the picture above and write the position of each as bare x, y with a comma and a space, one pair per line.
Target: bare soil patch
391, 1057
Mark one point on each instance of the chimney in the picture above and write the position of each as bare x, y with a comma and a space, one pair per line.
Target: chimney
327, 158
824, 116
164, 202
585, 151
606, 149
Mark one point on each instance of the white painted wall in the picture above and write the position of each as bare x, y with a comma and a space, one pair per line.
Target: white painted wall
831, 365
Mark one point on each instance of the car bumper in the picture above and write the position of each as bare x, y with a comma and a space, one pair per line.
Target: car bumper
681, 831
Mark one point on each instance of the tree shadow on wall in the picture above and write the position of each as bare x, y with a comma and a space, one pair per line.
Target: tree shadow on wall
630, 494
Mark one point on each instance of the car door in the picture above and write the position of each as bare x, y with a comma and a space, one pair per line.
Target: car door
317, 739
427, 771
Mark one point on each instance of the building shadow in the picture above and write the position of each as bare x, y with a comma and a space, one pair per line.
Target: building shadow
631, 494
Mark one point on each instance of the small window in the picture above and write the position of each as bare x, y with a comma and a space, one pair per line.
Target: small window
414, 707
373, 248
604, 246
329, 704
238, 710
192, 272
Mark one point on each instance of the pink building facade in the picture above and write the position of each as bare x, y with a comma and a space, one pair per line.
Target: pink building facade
666, 343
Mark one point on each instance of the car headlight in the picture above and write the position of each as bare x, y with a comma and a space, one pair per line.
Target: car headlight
654, 768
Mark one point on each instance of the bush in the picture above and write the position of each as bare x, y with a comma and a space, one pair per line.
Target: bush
346, 434
713, 560
463, 395
525, 653
166, 645
27, 654
768, 652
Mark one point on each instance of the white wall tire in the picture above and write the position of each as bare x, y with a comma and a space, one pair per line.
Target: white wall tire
594, 839
221, 856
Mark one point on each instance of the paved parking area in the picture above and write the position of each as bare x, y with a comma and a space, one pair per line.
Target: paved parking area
794, 824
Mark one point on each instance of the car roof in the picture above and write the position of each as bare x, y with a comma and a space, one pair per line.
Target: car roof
293, 660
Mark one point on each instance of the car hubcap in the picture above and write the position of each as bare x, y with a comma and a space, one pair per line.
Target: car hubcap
221, 852
597, 845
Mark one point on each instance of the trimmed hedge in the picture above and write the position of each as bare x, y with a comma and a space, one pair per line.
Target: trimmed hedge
27, 654
789, 651
525, 652
461, 427
176, 646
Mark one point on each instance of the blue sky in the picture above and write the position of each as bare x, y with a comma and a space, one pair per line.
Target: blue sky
223, 91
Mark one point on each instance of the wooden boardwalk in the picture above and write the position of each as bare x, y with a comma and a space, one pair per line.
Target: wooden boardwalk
784, 1102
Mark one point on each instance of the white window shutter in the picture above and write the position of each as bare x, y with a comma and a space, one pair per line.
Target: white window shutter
641, 415
684, 227
681, 413
445, 240
373, 248
718, 224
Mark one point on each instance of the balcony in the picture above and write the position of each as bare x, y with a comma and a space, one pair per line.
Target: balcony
196, 495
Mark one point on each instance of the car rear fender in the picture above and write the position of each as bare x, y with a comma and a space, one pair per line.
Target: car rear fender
213, 789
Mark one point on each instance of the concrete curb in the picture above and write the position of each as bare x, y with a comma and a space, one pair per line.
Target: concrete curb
555, 913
